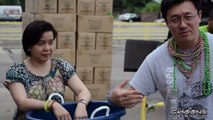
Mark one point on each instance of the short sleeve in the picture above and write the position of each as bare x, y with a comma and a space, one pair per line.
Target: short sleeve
66, 69
14, 73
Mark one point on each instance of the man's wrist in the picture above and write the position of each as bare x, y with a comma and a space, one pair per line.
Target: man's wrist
108, 98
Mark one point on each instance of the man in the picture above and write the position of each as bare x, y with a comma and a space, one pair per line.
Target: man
209, 27
180, 69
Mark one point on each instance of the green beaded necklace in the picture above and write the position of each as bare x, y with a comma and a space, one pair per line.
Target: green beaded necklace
206, 86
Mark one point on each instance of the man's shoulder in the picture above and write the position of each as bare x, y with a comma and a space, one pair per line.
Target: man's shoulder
210, 39
159, 51
210, 36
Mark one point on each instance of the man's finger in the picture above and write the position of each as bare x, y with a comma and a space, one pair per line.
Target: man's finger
134, 92
123, 84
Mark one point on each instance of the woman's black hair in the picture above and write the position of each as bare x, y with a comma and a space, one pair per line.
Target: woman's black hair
33, 33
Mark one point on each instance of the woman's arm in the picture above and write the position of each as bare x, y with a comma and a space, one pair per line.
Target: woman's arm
25, 104
19, 96
83, 95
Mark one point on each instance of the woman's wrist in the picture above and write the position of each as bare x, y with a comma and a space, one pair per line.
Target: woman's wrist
51, 105
48, 105
82, 101
55, 105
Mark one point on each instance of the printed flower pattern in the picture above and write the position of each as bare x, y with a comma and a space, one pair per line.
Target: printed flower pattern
40, 87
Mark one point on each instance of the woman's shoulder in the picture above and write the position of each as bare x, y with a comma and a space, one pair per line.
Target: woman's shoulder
15, 70
64, 67
59, 62
16, 66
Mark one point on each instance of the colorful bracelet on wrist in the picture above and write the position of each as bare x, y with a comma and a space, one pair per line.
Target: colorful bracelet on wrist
46, 105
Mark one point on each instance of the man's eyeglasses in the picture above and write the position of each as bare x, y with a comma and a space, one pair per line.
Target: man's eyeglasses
176, 20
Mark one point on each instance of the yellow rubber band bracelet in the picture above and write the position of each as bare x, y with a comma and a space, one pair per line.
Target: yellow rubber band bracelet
46, 105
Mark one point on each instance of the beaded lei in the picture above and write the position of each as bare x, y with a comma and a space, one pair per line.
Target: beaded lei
186, 62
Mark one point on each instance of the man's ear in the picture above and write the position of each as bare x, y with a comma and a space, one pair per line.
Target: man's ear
200, 14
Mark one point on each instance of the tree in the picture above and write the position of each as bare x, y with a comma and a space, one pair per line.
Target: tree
8, 2
135, 6
22, 3
151, 7
118, 6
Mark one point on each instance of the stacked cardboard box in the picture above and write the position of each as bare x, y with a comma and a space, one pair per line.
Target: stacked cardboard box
94, 45
84, 38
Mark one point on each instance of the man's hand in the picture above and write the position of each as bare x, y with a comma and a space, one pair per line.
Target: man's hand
125, 97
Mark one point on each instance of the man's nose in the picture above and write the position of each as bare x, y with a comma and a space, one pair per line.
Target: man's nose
183, 22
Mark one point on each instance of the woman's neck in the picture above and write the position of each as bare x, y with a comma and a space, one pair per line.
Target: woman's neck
37, 64
38, 68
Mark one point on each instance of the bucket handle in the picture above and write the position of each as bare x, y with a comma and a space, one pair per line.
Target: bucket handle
98, 109
57, 94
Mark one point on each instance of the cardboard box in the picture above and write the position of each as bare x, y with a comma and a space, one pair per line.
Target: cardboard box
68, 94
66, 40
103, 7
42, 6
86, 74
67, 6
98, 91
86, 41
88, 23
103, 41
26, 19
102, 76
61, 22
94, 58
86, 7
67, 54
26, 6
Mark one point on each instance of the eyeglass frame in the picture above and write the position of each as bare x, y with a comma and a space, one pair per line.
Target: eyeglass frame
176, 20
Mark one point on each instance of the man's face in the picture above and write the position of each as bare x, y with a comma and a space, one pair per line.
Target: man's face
183, 21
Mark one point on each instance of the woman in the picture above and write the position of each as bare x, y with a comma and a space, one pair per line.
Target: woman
32, 81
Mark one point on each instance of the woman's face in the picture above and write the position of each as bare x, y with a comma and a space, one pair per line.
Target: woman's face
42, 51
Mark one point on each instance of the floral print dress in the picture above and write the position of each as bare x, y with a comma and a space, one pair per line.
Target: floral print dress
40, 87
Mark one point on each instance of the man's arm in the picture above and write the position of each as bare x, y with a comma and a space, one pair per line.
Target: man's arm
125, 97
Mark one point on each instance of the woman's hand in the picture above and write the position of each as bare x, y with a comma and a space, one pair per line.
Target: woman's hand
60, 112
81, 111
125, 97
